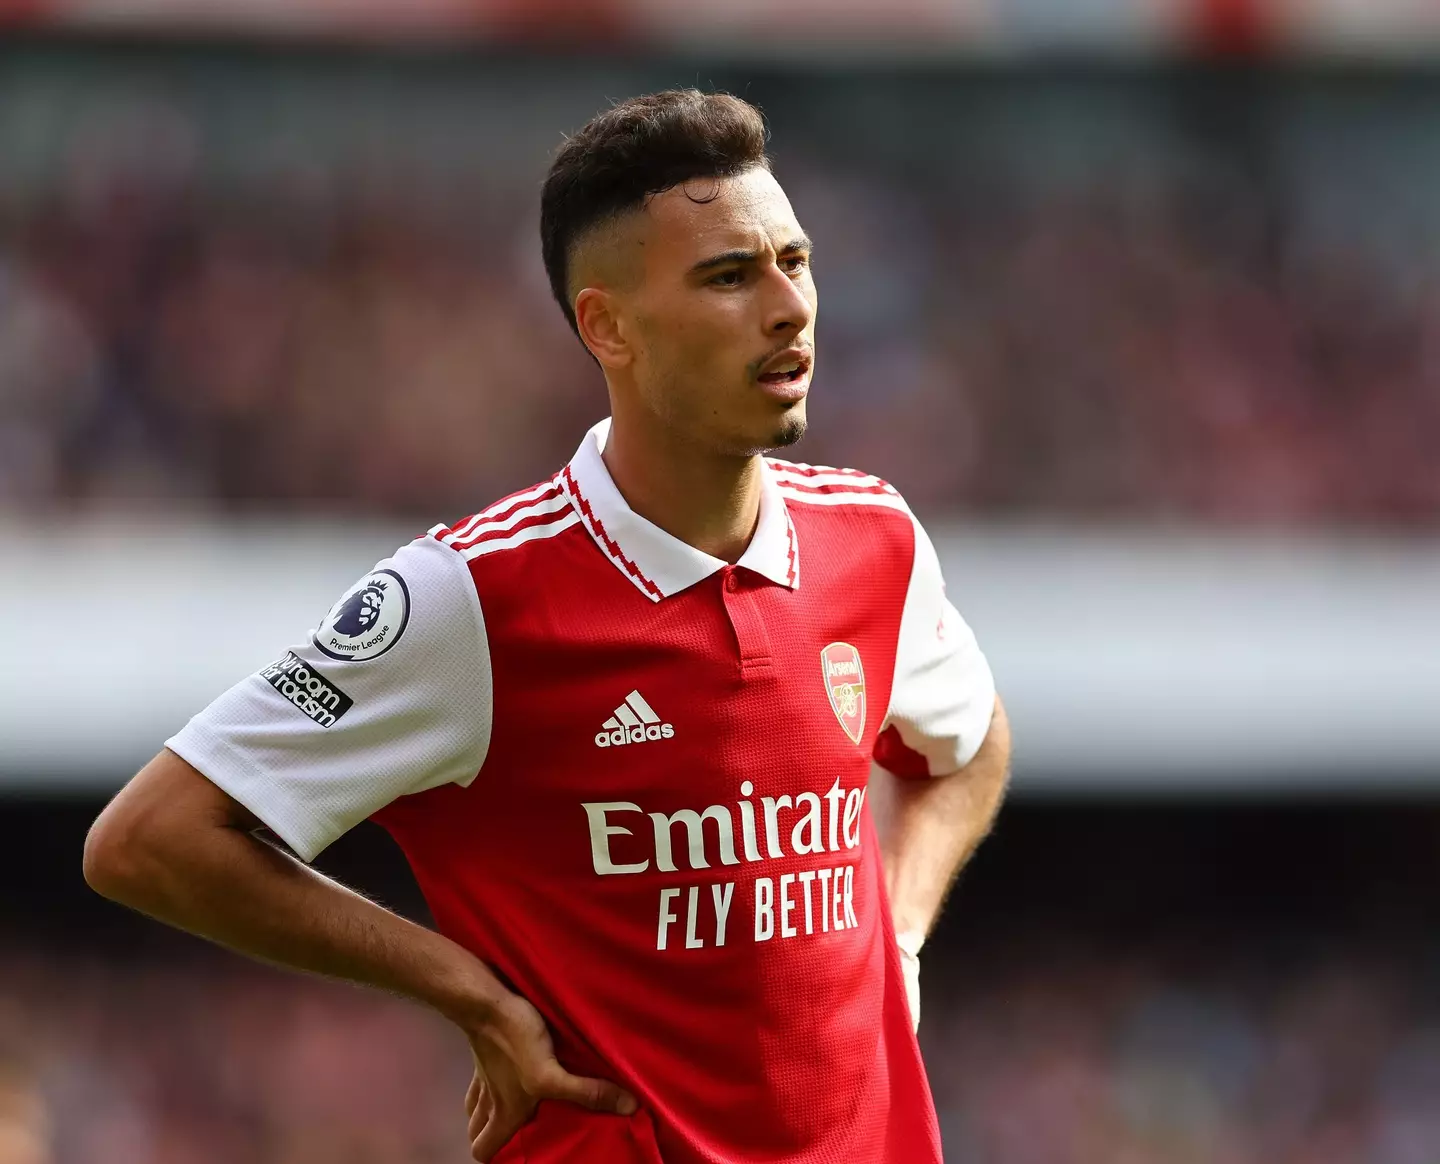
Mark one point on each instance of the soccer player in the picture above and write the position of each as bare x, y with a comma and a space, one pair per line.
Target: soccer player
683, 745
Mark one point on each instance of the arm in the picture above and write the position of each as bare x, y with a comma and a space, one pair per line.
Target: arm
941, 760
174, 846
310, 746
929, 828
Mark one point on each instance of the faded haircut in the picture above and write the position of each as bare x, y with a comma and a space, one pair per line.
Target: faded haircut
633, 151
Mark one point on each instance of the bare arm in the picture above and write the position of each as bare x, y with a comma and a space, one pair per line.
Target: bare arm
928, 829
176, 847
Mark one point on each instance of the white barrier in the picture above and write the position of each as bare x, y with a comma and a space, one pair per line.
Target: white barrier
1129, 660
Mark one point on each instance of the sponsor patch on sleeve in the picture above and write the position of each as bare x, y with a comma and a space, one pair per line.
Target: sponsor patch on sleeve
307, 690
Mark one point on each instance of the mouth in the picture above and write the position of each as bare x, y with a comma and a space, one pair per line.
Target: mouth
787, 374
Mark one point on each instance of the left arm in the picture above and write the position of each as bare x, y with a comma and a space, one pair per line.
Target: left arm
941, 759
929, 828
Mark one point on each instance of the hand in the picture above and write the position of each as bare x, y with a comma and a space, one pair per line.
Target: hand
515, 1068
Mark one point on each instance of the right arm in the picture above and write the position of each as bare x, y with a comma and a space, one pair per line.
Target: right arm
174, 846
309, 747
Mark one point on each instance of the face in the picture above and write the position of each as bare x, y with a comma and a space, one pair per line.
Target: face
715, 333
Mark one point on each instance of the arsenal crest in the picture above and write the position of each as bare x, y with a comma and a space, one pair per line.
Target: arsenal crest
845, 684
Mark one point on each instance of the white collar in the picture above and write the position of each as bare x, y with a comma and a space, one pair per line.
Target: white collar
658, 563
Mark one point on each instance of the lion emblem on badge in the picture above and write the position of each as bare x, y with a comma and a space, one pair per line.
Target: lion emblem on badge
357, 614
368, 621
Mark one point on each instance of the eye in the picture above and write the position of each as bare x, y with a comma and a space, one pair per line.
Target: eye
794, 264
728, 278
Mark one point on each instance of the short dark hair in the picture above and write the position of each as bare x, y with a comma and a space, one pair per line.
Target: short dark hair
639, 148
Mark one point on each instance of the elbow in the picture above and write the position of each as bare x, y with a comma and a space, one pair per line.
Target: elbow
107, 863
115, 859
143, 849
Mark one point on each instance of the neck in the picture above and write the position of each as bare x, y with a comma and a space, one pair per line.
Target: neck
705, 499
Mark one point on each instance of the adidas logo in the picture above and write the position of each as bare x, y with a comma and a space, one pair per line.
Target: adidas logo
634, 722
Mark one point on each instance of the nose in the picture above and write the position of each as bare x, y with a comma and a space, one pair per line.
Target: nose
788, 310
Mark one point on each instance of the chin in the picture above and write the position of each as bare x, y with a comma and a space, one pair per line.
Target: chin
775, 432
790, 430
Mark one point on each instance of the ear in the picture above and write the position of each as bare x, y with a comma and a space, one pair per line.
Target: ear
596, 315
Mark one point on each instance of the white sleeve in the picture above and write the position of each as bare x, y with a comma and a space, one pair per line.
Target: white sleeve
391, 695
943, 695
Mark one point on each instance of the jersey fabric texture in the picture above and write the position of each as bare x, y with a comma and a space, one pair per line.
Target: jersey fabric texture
631, 778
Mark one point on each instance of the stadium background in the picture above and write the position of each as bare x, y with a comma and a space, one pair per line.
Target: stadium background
1137, 302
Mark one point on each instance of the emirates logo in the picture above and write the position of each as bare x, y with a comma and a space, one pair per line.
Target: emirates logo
845, 684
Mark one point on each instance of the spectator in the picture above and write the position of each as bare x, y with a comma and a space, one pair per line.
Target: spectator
1171, 339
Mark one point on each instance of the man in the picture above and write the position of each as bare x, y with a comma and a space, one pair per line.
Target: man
623, 723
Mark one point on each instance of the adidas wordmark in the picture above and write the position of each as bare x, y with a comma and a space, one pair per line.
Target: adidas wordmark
634, 722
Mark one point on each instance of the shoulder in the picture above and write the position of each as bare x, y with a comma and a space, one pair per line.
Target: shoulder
437, 578
830, 486
855, 512
833, 485
523, 518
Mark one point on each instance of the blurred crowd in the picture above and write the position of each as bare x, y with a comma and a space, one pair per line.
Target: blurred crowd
172, 1063
1047, 1057
1189, 1057
1161, 342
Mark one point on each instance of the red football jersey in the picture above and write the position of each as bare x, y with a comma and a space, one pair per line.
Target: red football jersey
631, 778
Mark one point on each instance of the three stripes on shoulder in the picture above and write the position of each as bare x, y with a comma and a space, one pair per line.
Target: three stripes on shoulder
822, 485
545, 510
541, 511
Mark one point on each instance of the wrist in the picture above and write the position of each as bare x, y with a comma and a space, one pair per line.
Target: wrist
910, 941
470, 996
909, 944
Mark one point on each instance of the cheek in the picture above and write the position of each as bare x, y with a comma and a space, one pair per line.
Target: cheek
691, 343
694, 346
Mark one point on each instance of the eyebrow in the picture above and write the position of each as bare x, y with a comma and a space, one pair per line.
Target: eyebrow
726, 258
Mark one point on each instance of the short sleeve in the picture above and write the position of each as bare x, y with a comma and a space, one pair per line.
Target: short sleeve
390, 696
943, 695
